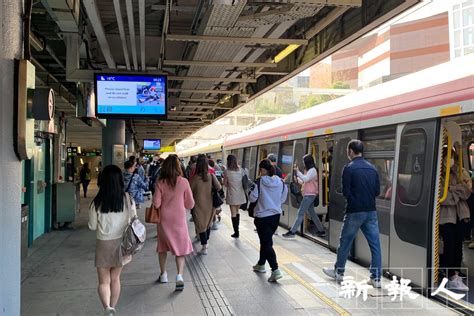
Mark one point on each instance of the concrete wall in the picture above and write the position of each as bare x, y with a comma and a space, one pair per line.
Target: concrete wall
10, 171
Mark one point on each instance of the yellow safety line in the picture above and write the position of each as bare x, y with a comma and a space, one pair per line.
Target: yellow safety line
339, 309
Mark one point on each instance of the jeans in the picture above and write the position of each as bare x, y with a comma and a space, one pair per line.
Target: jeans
266, 227
306, 206
85, 184
368, 223
204, 236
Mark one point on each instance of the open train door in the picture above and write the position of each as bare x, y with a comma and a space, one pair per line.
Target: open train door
410, 226
336, 208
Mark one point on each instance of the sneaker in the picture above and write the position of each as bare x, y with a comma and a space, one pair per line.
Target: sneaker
214, 226
471, 245
276, 275
109, 311
275, 233
163, 278
321, 234
289, 235
456, 283
203, 251
179, 282
376, 283
259, 268
332, 274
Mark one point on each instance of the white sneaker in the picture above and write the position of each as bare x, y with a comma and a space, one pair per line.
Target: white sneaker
456, 283
163, 278
109, 311
332, 273
203, 251
375, 283
179, 282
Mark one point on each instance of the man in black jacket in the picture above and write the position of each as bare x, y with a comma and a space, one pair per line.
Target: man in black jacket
360, 187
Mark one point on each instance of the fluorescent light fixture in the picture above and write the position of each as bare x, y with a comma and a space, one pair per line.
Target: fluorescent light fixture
82, 161
79, 150
284, 53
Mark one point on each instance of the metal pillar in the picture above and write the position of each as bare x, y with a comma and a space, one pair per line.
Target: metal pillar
113, 134
129, 142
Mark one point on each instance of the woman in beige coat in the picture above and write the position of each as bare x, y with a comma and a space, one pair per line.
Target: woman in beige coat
454, 210
202, 184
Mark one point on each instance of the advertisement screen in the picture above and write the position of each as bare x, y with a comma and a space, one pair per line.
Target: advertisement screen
152, 144
130, 96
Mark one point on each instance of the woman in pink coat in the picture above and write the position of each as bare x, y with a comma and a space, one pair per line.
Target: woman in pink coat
173, 196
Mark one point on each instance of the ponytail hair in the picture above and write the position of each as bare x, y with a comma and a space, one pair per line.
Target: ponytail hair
267, 165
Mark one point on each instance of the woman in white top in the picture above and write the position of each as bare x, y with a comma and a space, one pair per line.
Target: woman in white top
235, 195
109, 214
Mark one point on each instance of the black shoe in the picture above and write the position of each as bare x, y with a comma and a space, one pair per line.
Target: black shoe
289, 235
321, 234
235, 225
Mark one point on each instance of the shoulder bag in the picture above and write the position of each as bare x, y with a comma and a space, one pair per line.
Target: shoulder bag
153, 214
134, 236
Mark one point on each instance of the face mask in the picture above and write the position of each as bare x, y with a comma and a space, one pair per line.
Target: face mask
452, 162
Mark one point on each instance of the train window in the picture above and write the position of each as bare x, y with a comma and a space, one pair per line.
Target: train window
380, 139
412, 157
285, 161
240, 156
253, 162
385, 168
300, 151
471, 155
341, 153
246, 162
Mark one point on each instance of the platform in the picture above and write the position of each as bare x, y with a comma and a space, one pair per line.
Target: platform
59, 278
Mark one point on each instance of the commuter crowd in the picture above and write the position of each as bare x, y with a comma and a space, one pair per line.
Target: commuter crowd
202, 187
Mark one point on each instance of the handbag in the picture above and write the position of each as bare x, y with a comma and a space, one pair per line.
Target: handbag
217, 199
252, 205
153, 215
294, 189
134, 235
246, 182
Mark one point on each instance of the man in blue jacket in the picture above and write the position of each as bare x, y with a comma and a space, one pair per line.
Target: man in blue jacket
360, 186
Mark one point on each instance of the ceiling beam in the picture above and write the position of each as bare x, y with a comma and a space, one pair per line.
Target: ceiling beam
217, 63
141, 14
199, 100
204, 91
211, 79
322, 24
131, 31
123, 39
94, 17
176, 8
251, 40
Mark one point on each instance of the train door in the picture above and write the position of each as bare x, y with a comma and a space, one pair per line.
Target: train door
39, 192
410, 225
321, 150
379, 150
253, 163
337, 206
452, 246
299, 150
285, 162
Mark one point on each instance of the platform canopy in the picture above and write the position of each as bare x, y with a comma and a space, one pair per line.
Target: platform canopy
218, 54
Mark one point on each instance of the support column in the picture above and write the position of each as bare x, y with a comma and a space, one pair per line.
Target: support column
112, 134
11, 171
129, 142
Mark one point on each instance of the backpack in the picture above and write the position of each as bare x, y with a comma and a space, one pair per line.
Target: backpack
134, 236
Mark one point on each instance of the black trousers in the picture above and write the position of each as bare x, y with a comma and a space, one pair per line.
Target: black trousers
453, 237
85, 184
266, 227
204, 236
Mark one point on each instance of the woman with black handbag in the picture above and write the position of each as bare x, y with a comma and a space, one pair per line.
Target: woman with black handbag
235, 196
310, 193
202, 185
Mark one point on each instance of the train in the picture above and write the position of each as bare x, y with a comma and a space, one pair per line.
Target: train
409, 127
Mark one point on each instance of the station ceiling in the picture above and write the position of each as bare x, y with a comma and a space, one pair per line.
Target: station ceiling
218, 54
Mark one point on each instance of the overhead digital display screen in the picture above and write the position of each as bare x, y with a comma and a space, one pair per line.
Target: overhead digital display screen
130, 96
152, 144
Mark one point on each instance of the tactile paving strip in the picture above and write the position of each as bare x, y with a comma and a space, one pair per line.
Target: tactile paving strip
212, 297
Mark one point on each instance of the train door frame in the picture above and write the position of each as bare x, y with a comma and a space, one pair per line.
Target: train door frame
288, 210
321, 144
405, 252
336, 208
452, 130
293, 205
